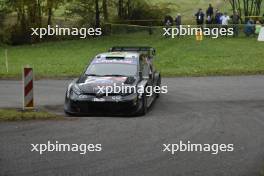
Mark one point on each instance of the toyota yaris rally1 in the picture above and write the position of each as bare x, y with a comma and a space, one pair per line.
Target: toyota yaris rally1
119, 82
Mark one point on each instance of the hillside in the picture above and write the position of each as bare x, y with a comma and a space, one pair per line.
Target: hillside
175, 57
189, 7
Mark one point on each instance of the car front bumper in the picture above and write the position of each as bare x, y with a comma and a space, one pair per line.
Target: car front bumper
114, 105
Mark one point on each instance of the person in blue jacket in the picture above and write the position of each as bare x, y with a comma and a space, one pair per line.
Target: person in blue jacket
218, 16
249, 28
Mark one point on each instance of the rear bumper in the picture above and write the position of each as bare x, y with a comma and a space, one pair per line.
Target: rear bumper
89, 107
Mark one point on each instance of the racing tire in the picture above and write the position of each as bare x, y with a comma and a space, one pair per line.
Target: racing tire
158, 84
144, 107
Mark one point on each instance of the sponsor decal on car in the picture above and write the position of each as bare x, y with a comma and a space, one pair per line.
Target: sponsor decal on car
105, 80
116, 61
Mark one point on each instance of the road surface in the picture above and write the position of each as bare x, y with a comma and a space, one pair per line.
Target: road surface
201, 110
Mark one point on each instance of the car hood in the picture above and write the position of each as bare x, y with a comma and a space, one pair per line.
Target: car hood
91, 84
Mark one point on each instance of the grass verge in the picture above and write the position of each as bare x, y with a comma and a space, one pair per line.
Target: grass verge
175, 57
18, 115
262, 172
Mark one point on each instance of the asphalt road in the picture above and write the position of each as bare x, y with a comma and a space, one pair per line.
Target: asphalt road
201, 110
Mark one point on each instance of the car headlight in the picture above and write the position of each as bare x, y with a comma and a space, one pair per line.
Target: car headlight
73, 95
74, 91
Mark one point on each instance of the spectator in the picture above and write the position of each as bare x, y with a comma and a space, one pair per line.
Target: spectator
224, 20
235, 20
209, 14
218, 15
209, 20
168, 21
249, 28
210, 11
200, 18
258, 28
178, 20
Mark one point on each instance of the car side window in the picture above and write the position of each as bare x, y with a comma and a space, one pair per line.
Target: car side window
145, 66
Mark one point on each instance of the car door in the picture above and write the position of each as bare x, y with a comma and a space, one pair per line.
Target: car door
148, 75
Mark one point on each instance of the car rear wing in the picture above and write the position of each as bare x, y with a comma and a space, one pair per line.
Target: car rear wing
144, 50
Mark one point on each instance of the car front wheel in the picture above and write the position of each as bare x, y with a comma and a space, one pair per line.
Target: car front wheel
144, 105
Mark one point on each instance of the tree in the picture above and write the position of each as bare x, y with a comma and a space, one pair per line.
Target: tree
28, 12
49, 10
97, 14
129, 8
120, 7
50, 6
3, 12
246, 7
105, 10
87, 10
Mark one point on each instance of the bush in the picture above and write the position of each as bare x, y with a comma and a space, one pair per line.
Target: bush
15, 35
142, 12
3, 13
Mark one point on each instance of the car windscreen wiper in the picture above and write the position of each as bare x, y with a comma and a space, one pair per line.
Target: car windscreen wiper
92, 75
116, 75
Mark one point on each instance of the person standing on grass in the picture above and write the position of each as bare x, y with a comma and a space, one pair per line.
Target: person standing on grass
235, 19
225, 19
210, 11
258, 28
218, 15
209, 20
168, 21
199, 18
178, 21
249, 28
209, 14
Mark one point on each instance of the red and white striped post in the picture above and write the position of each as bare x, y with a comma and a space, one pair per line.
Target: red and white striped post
28, 101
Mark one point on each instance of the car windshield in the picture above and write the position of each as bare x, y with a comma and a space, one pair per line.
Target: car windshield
114, 69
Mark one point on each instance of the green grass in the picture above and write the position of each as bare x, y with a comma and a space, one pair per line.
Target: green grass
175, 57
189, 8
17, 115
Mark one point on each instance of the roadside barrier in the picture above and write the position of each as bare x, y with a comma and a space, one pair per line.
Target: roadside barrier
261, 35
28, 99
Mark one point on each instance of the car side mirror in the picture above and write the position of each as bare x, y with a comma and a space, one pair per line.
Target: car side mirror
140, 74
154, 52
150, 76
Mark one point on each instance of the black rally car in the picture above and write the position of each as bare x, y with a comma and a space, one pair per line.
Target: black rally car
129, 67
